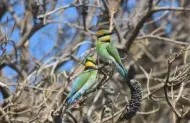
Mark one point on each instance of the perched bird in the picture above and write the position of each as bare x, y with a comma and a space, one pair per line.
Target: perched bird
108, 52
84, 81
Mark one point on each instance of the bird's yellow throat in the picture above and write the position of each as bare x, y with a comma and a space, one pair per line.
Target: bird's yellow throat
90, 64
106, 38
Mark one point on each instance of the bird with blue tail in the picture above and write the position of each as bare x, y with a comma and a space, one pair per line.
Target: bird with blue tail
85, 81
107, 52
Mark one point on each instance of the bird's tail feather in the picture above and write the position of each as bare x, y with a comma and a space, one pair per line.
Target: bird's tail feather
122, 70
136, 95
126, 74
73, 98
69, 100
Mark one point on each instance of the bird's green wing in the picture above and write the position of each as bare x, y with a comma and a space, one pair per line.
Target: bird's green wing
114, 53
89, 84
79, 82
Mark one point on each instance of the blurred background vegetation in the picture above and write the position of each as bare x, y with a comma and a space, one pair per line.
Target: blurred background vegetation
44, 42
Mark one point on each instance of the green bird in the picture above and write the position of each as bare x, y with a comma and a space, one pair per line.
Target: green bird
84, 81
107, 52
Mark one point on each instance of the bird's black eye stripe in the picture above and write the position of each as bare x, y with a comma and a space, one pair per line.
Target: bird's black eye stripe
105, 35
91, 61
105, 41
89, 67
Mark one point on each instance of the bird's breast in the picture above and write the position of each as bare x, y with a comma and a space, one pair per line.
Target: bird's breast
103, 53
